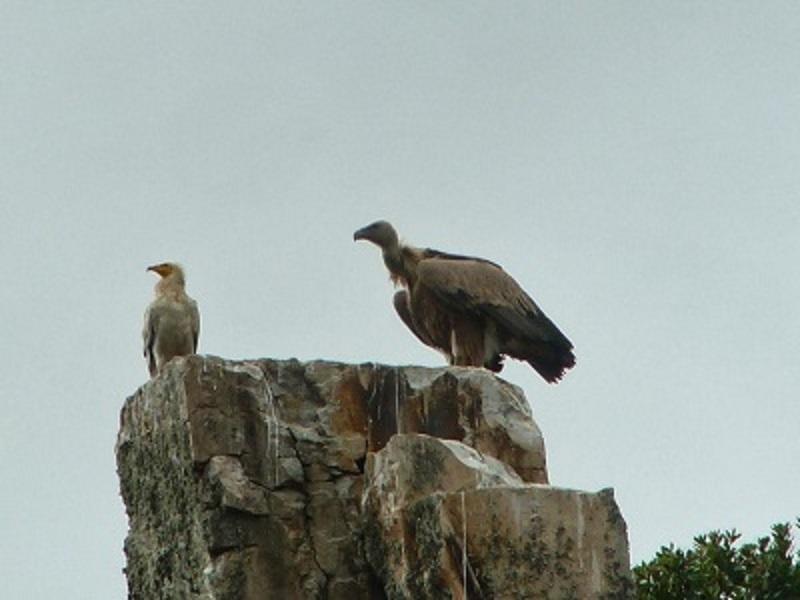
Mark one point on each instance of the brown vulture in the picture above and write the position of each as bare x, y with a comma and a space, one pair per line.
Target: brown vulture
172, 321
469, 308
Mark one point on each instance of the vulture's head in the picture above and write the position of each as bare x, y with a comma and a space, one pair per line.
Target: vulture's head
380, 233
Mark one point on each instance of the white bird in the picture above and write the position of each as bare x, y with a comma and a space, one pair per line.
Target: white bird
172, 321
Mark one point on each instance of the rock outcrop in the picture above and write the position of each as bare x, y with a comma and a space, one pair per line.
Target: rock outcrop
280, 479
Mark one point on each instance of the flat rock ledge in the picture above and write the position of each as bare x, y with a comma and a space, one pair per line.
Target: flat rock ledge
265, 479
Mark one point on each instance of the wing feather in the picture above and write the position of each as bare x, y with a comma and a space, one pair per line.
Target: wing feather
425, 320
483, 290
401, 306
471, 285
194, 316
149, 333
433, 253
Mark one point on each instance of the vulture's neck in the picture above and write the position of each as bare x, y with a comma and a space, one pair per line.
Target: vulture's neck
402, 264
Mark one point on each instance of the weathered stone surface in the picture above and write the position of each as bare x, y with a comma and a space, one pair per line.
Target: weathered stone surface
442, 521
245, 479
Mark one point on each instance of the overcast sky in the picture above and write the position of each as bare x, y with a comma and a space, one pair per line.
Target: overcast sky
635, 166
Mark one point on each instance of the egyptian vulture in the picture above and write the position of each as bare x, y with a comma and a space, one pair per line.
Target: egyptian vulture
172, 321
468, 308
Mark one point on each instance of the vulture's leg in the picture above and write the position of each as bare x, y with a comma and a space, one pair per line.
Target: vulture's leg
492, 357
466, 344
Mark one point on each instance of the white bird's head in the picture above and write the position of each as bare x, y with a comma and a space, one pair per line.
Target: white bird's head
171, 275
166, 269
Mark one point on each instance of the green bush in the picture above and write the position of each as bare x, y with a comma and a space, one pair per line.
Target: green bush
717, 569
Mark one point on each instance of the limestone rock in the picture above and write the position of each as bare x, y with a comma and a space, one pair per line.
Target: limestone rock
442, 521
245, 480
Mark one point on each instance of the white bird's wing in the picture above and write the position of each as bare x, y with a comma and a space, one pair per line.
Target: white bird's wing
195, 321
149, 337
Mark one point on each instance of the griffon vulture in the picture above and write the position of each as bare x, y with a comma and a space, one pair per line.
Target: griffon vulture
469, 308
172, 321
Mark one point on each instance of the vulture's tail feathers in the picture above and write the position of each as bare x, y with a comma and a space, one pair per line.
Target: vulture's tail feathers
552, 366
534, 338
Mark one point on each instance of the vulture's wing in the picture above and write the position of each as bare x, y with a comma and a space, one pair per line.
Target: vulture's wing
483, 289
425, 319
401, 305
433, 253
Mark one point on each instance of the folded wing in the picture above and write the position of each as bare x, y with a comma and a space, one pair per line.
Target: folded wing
481, 291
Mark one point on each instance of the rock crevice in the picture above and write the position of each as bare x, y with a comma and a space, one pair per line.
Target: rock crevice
282, 479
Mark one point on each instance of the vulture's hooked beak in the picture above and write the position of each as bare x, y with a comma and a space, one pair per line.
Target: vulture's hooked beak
361, 234
380, 233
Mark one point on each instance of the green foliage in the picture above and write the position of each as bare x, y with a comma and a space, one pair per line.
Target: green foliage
717, 569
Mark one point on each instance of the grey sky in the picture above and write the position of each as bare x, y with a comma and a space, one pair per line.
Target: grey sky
633, 165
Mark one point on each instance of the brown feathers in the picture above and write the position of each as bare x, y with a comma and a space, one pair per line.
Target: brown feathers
468, 308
